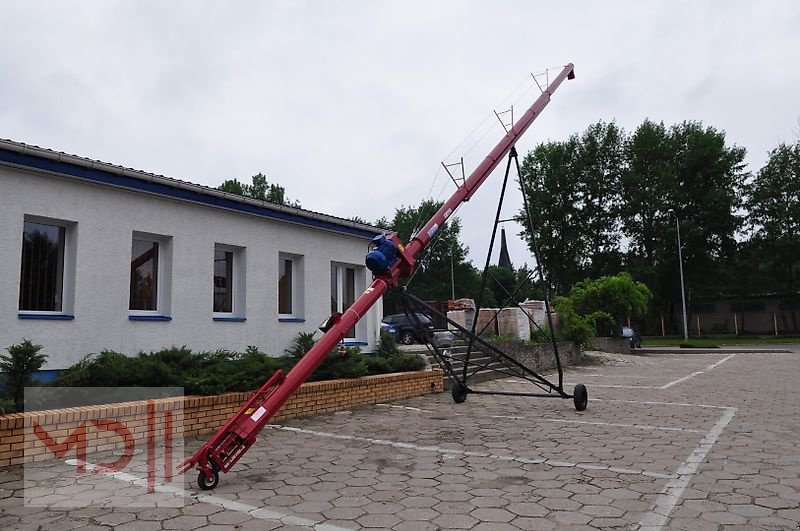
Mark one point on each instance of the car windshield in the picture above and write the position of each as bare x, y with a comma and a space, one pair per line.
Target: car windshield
627, 332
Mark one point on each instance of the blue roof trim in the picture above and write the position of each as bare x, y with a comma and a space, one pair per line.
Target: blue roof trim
132, 183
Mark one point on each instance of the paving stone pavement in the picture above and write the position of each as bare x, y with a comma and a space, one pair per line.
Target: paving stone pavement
669, 441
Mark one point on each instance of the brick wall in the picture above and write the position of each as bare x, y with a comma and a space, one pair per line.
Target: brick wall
194, 415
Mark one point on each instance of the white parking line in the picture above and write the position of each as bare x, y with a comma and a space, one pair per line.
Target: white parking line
450, 451
261, 513
407, 408
564, 421
668, 384
710, 367
599, 375
590, 423
671, 493
655, 403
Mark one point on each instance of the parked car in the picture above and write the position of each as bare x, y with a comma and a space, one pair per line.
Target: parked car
633, 337
390, 329
410, 330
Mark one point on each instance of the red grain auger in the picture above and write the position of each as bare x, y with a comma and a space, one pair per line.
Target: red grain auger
389, 260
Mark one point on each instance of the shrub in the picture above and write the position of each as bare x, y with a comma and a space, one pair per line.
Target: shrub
351, 364
301, 344
540, 335
206, 373
388, 358
18, 365
573, 326
6, 406
387, 345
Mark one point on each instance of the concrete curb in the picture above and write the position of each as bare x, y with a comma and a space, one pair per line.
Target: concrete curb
721, 350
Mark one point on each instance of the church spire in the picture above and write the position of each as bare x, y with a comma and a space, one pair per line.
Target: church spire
505, 260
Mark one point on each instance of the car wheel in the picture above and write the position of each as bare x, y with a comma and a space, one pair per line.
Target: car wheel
406, 337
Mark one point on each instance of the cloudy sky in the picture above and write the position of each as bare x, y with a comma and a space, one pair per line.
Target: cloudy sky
353, 105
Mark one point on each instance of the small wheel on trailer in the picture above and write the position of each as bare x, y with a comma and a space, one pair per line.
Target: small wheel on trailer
206, 483
581, 397
459, 393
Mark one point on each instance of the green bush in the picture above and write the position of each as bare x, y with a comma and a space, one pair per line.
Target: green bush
207, 373
573, 326
301, 344
388, 358
6, 406
18, 366
540, 335
350, 364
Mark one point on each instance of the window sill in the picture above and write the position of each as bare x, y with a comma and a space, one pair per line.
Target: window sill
149, 318
230, 319
46, 316
291, 320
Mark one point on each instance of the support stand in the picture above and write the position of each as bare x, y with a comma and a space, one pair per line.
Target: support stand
499, 361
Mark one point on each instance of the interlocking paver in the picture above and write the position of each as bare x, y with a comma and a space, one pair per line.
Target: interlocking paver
497, 462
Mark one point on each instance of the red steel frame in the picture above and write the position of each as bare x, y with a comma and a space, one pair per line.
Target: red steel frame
225, 448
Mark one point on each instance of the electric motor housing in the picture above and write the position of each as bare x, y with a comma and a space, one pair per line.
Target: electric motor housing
382, 254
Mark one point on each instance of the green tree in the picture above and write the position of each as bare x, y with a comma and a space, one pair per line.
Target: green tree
601, 164
609, 300
260, 189
646, 187
773, 205
18, 367
573, 191
709, 179
432, 277
502, 283
552, 174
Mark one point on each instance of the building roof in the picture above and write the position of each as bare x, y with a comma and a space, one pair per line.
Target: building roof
23, 155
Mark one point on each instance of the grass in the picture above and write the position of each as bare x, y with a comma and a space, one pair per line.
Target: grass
716, 341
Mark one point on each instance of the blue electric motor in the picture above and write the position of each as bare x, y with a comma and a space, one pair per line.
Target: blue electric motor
382, 254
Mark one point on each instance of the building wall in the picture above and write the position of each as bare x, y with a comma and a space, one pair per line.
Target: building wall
751, 315
105, 219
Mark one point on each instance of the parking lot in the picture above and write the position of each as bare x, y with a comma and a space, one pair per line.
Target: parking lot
669, 441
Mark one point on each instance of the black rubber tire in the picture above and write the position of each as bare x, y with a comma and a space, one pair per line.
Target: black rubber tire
406, 337
581, 397
206, 484
459, 393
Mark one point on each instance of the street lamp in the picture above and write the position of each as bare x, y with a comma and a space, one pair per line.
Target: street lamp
452, 276
680, 266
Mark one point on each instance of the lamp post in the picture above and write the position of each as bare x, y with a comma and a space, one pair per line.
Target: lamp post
680, 266
452, 276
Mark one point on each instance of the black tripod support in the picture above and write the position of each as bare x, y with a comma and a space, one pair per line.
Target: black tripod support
498, 360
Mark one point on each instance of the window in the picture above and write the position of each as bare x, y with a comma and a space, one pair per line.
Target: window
47, 273
150, 275
343, 290
285, 285
223, 281
228, 283
290, 287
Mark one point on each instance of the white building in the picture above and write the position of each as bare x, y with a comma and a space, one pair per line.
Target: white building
97, 256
